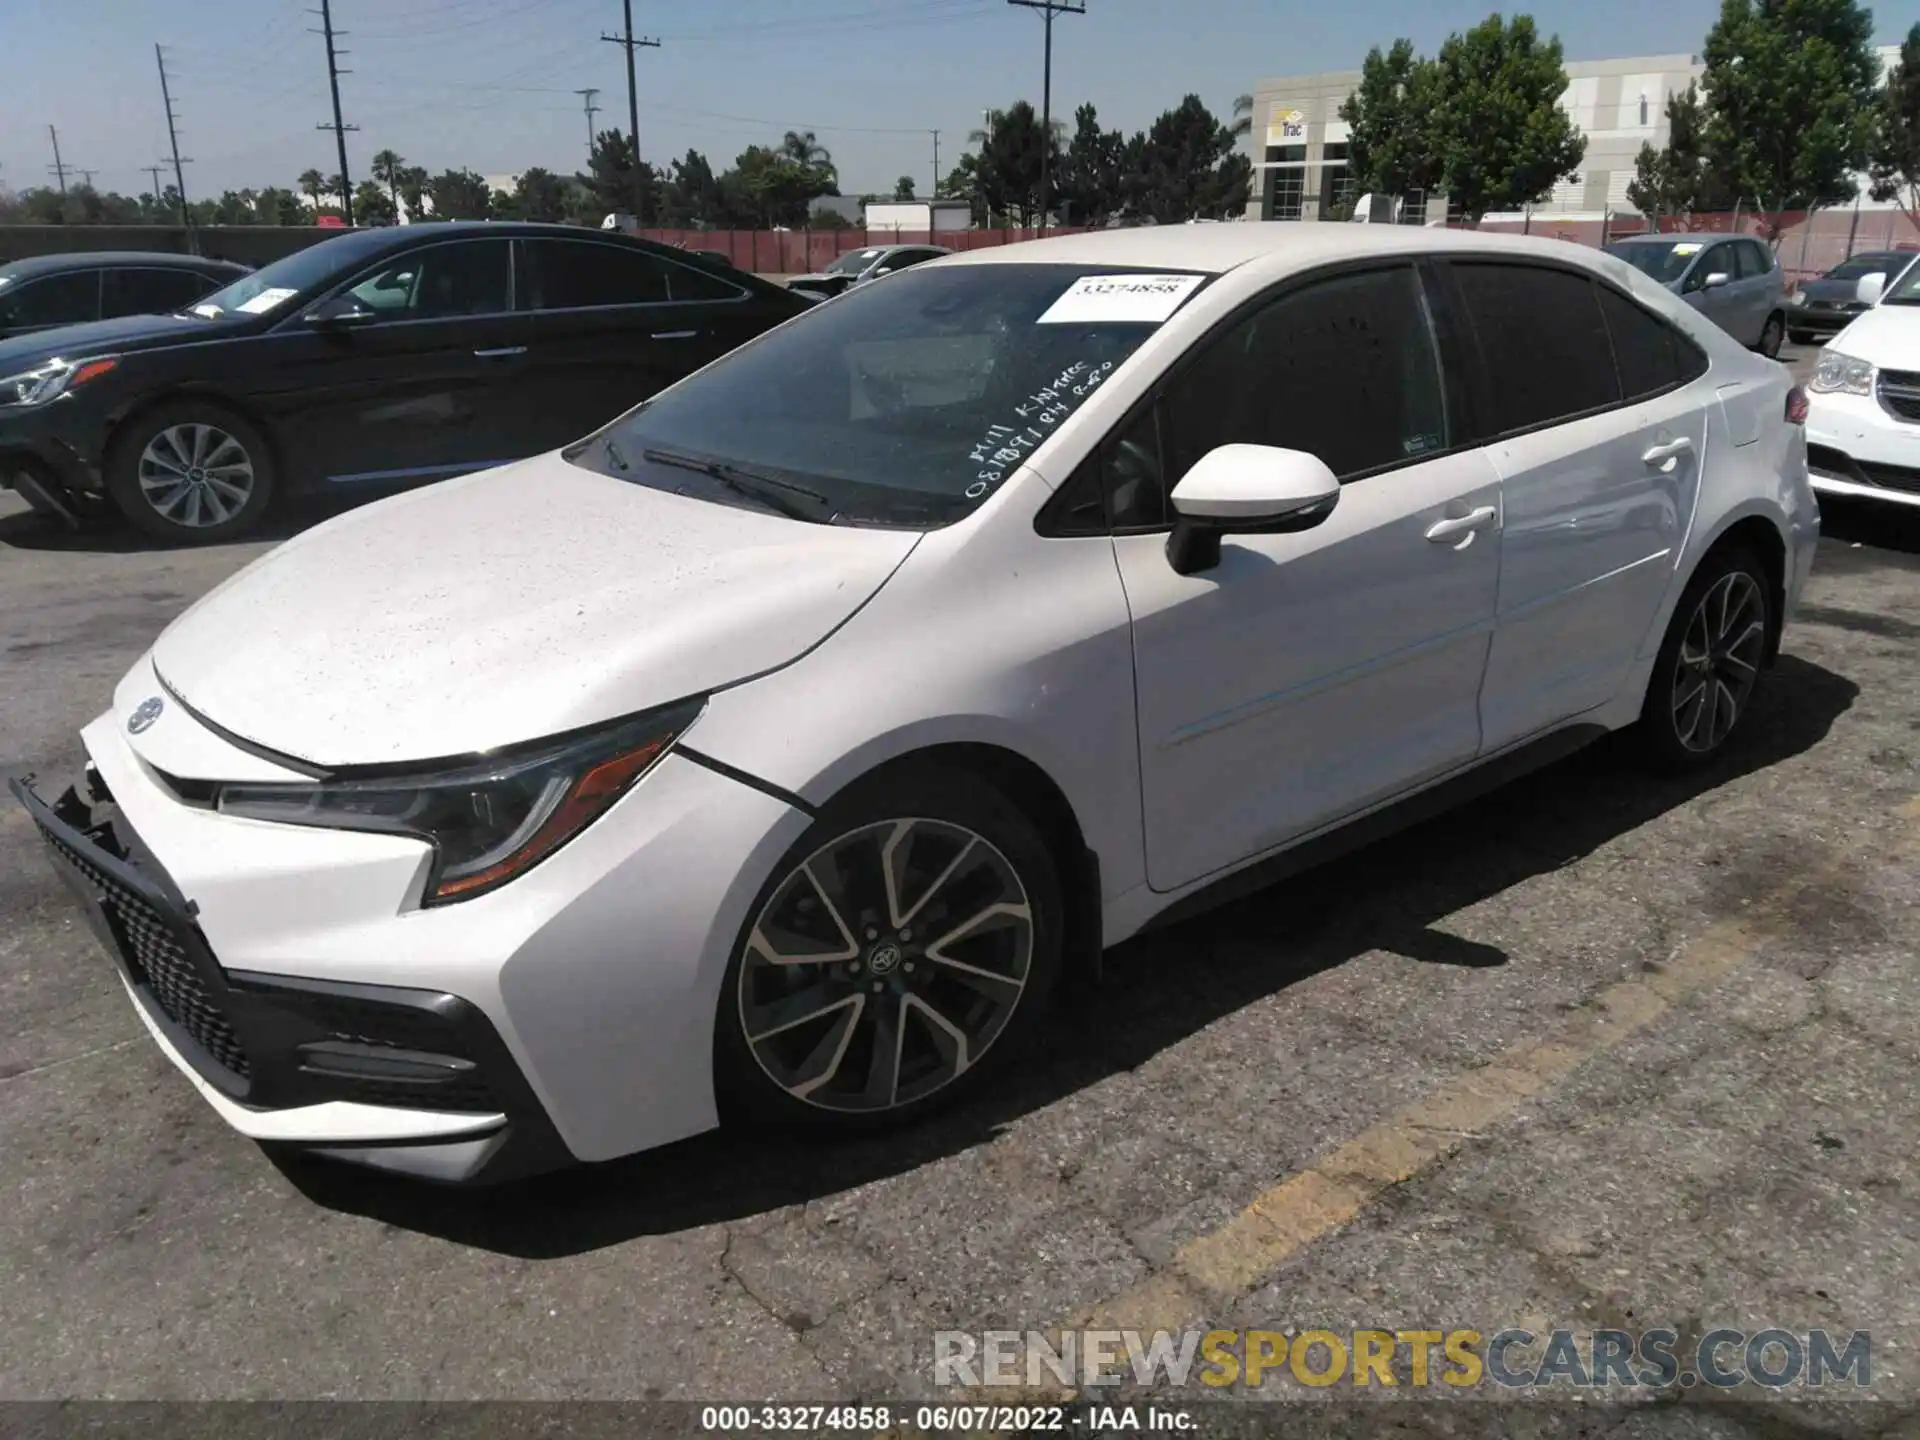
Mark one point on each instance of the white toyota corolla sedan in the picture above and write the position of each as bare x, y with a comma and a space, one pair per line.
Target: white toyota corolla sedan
772, 751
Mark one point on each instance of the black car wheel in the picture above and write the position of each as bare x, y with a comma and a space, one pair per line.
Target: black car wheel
1709, 663
1772, 334
191, 473
906, 947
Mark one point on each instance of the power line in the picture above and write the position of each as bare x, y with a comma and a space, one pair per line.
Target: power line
334, 72
58, 167
173, 143
1048, 9
592, 110
629, 44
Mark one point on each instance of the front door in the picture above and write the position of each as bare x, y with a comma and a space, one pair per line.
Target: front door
1598, 437
1307, 676
1719, 303
430, 386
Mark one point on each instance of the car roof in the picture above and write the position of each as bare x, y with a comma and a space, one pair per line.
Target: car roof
86, 259
1279, 245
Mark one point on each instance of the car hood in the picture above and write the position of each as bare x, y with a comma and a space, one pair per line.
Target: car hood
1887, 336
506, 606
100, 337
1843, 290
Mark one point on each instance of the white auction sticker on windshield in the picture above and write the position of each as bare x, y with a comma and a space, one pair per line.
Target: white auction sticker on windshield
1687, 249
266, 300
1120, 299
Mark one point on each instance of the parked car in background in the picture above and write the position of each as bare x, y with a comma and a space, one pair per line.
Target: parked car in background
770, 752
52, 290
856, 267
1863, 421
388, 355
1820, 309
1734, 281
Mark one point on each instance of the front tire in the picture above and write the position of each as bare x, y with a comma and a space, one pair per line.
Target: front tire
903, 952
192, 473
1709, 664
1772, 335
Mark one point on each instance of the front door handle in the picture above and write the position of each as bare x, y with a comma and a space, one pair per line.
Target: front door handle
1454, 526
501, 352
1662, 456
675, 334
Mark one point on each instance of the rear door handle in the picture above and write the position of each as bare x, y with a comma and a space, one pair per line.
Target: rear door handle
675, 334
501, 352
1661, 455
1455, 526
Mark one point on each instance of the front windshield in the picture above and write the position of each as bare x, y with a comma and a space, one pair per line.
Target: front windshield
1861, 265
1907, 291
1665, 260
853, 262
908, 401
272, 286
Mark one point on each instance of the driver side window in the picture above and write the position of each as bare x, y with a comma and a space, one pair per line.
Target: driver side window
1344, 368
471, 277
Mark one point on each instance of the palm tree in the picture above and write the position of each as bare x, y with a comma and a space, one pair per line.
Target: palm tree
1242, 125
386, 167
412, 181
311, 183
803, 149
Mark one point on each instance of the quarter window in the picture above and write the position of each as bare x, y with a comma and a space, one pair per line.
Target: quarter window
1543, 343
1647, 351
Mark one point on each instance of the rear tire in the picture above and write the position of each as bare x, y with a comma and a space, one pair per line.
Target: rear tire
191, 473
1772, 335
936, 912
1709, 666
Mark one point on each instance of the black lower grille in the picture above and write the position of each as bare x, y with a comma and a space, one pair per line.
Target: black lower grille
1900, 394
160, 962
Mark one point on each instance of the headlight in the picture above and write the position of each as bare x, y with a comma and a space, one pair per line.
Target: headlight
50, 381
1799, 297
488, 820
1841, 374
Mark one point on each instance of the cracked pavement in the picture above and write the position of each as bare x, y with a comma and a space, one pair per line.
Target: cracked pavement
1742, 1156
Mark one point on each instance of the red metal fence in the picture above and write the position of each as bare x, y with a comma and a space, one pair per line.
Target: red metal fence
801, 252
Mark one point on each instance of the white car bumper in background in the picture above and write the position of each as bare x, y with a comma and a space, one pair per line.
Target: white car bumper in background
291, 974
1866, 445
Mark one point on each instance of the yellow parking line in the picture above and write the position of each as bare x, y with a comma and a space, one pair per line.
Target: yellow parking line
1217, 1268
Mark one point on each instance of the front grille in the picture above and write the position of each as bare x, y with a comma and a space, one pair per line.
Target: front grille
1900, 394
1892, 477
160, 962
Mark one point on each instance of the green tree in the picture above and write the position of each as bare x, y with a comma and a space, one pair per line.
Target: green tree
277, 206
1092, 175
385, 167
412, 183
458, 195
372, 205
540, 195
1007, 164
1679, 180
610, 178
1187, 167
691, 196
903, 188
311, 183
769, 186
1503, 139
1790, 93
1896, 142
1392, 149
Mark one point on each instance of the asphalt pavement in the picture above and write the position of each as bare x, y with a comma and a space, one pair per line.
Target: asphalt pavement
1600, 1049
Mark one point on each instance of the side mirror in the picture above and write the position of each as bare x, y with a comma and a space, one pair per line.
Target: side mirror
1246, 490
1716, 280
1870, 288
339, 312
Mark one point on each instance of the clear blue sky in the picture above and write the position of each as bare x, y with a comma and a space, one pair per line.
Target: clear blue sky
487, 83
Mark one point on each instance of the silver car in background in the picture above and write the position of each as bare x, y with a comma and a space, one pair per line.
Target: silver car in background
1733, 280
856, 267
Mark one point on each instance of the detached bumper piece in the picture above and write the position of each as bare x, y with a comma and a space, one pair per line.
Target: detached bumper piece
266, 1043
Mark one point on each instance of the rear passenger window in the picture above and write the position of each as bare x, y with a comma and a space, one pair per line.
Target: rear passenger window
1755, 259
1543, 344
686, 283
1645, 349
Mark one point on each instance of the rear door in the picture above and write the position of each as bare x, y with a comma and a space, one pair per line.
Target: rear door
1756, 287
615, 324
430, 385
1598, 435
69, 298
149, 290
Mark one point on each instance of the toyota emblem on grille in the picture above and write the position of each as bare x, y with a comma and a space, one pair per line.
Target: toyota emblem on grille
144, 714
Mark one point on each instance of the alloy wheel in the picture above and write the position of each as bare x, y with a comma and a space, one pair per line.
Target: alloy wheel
195, 475
1719, 661
885, 964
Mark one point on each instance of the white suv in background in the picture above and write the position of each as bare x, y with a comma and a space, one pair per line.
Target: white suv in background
1863, 421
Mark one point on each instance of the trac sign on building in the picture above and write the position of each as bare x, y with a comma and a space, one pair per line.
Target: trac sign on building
1287, 127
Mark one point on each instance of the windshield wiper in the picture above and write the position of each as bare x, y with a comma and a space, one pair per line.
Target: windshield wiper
769, 490
612, 447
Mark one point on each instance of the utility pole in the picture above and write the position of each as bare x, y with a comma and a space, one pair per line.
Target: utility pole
629, 44
592, 109
58, 167
936, 165
86, 178
983, 154
334, 72
1048, 9
154, 171
173, 141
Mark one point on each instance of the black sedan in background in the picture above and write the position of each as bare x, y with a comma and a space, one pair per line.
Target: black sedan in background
1820, 309
394, 355
51, 290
